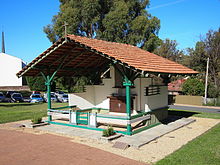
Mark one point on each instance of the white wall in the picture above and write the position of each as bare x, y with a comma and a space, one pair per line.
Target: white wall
9, 66
96, 95
157, 101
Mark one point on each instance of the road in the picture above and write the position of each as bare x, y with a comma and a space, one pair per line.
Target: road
196, 108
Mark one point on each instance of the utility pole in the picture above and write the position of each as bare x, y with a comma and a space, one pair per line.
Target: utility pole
206, 80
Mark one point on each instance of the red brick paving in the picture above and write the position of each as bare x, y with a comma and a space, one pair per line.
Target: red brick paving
18, 148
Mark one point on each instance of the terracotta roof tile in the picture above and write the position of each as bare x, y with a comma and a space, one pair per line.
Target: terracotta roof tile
134, 56
127, 54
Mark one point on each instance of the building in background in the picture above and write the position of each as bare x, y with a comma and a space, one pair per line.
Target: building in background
9, 66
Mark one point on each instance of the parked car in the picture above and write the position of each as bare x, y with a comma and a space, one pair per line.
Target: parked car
2, 97
59, 93
36, 92
9, 93
17, 97
63, 98
36, 98
52, 96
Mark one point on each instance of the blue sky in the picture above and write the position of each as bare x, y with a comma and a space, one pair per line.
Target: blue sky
181, 20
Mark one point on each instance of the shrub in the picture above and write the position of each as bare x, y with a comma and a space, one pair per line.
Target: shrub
36, 119
194, 87
108, 132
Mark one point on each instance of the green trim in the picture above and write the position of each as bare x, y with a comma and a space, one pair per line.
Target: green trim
82, 119
127, 83
94, 108
59, 111
43, 76
85, 127
112, 117
144, 128
139, 115
72, 125
63, 107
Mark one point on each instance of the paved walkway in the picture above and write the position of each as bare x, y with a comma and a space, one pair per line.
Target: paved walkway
71, 131
151, 134
136, 140
18, 148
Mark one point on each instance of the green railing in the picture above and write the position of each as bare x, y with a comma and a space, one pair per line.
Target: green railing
64, 107
82, 117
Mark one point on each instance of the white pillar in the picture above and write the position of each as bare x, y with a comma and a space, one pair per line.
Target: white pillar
93, 120
73, 117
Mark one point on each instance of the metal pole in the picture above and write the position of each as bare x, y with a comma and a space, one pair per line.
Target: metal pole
127, 83
206, 80
48, 84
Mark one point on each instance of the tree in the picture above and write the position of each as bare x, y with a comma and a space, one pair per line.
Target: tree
194, 87
36, 83
198, 57
72, 84
124, 21
209, 47
168, 49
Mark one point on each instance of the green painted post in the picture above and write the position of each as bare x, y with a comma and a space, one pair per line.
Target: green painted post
48, 96
127, 83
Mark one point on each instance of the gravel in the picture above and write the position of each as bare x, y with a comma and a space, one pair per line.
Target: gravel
149, 153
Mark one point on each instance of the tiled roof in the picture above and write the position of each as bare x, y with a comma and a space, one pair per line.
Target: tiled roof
176, 85
81, 53
134, 56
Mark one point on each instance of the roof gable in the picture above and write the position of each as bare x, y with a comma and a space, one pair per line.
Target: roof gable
82, 51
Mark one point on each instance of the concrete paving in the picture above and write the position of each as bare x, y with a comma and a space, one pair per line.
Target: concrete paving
151, 134
136, 140
71, 131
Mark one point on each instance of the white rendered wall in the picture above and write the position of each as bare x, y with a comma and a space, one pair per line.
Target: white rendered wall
96, 95
157, 101
9, 66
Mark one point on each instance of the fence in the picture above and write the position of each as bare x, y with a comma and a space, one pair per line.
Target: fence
191, 100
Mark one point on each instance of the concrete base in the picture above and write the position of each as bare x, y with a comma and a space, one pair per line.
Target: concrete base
113, 137
31, 125
157, 116
151, 134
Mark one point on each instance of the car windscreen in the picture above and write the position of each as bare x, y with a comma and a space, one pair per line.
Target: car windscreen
35, 96
65, 96
16, 95
1, 95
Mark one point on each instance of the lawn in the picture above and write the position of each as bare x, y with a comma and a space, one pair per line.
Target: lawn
10, 112
204, 150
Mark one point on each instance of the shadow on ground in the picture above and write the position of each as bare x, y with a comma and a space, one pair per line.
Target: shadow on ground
176, 115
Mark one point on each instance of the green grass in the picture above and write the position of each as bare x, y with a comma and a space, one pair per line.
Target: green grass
204, 150
10, 112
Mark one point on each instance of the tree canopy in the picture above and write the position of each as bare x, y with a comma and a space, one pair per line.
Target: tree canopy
124, 21
208, 47
168, 49
194, 87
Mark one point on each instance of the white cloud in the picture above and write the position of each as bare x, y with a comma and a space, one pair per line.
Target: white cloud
165, 5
